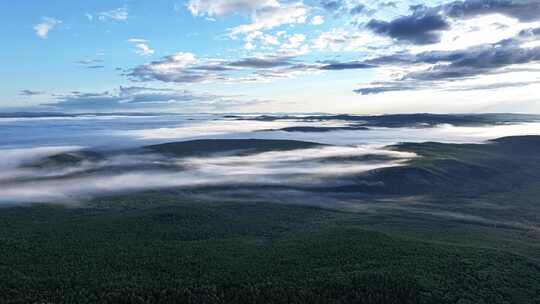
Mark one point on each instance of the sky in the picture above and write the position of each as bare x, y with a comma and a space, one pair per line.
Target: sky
332, 56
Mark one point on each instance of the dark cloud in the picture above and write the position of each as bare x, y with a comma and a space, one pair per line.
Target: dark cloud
183, 68
383, 89
142, 73
341, 8
524, 10
261, 63
503, 56
354, 65
393, 59
358, 9
393, 4
481, 60
92, 64
178, 75
333, 5
30, 93
178, 69
533, 32
417, 28
425, 24
443, 66
212, 67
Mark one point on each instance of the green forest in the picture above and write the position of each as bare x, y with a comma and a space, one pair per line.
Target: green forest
163, 247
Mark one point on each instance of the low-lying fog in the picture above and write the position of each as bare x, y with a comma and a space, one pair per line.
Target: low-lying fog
375, 135
24, 180
23, 141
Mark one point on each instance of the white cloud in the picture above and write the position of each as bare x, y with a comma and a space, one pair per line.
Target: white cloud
333, 39
263, 14
531, 44
273, 16
47, 24
317, 20
141, 47
119, 14
258, 36
269, 39
253, 35
227, 7
339, 39
177, 61
294, 46
294, 41
476, 31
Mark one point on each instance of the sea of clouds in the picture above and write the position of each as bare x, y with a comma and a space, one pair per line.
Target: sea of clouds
120, 172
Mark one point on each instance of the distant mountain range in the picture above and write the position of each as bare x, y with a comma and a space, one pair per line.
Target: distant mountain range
387, 120
399, 120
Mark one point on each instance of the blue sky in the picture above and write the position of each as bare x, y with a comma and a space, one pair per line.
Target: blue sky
271, 56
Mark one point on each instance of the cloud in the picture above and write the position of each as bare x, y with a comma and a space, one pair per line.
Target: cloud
30, 93
425, 24
263, 14
141, 47
139, 98
417, 28
333, 39
313, 167
353, 65
494, 86
342, 39
270, 40
317, 20
255, 37
269, 17
399, 71
119, 14
358, 9
91, 63
340, 8
482, 59
179, 68
47, 24
391, 87
263, 62
294, 41
218, 8
523, 10
445, 66
333, 5
186, 68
